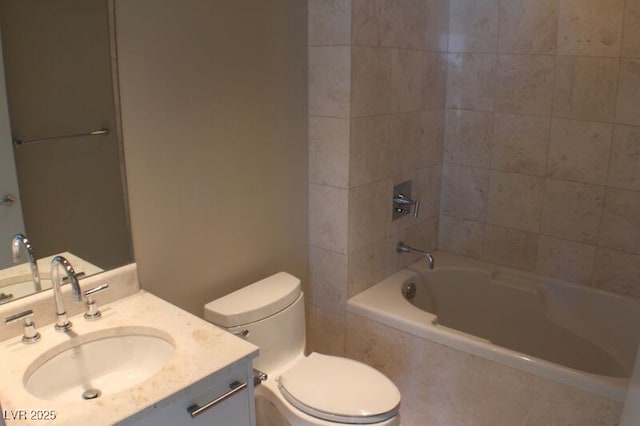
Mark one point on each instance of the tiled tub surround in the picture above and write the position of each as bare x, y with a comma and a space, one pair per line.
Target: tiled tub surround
518, 119
527, 143
377, 84
448, 377
541, 170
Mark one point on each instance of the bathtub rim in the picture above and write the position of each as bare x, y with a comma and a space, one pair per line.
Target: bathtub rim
383, 303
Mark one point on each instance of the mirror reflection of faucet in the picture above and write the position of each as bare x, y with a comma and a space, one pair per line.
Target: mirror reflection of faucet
404, 248
18, 241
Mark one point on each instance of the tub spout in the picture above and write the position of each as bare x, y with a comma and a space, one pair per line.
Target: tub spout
404, 248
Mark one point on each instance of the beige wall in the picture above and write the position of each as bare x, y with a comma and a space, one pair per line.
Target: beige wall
376, 118
214, 118
541, 165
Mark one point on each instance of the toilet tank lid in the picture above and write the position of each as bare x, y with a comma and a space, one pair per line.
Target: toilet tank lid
255, 301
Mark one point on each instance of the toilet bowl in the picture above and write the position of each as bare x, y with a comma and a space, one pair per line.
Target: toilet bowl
301, 389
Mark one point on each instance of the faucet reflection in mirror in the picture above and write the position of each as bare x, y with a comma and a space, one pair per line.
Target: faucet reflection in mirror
20, 240
62, 321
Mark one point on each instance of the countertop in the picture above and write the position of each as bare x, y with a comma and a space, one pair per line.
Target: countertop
201, 349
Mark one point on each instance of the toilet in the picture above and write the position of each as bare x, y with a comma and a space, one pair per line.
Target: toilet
301, 389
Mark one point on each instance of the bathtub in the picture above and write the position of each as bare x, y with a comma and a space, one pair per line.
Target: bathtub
572, 334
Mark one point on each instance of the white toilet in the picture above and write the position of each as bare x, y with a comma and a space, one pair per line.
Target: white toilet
301, 390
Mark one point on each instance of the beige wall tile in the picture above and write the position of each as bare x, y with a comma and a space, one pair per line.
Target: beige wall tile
559, 404
369, 149
515, 201
621, 221
572, 210
404, 141
434, 81
617, 271
366, 22
511, 247
328, 217
625, 158
628, 102
329, 81
325, 331
520, 144
431, 146
471, 81
631, 29
403, 23
528, 26
590, 27
473, 25
465, 191
371, 81
329, 151
328, 279
436, 25
369, 212
468, 138
428, 190
406, 79
585, 88
366, 267
461, 236
579, 150
524, 84
565, 260
329, 22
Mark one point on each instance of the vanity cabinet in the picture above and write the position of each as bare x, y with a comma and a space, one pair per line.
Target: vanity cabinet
228, 391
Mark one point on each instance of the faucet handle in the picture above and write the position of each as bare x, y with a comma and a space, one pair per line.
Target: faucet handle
93, 313
402, 205
31, 335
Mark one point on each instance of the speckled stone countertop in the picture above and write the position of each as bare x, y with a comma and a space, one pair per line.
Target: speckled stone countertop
201, 349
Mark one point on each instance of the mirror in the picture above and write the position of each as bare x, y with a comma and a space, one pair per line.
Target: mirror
61, 85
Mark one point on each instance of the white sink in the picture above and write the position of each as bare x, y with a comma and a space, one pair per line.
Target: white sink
99, 363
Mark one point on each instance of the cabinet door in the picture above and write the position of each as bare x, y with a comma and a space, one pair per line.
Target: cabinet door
223, 399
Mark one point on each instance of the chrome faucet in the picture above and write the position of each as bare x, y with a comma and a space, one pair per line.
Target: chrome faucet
403, 248
19, 240
62, 321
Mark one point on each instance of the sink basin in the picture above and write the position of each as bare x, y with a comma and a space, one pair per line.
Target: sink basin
100, 363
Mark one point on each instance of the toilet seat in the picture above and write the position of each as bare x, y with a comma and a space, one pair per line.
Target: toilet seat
339, 390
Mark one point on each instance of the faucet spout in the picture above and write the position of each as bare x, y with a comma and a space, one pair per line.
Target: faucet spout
19, 240
404, 248
62, 320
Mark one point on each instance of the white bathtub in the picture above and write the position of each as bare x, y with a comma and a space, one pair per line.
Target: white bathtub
568, 333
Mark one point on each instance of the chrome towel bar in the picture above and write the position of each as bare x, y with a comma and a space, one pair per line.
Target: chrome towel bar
17, 141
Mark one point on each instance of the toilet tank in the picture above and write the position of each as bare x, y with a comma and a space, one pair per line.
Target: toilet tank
268, 313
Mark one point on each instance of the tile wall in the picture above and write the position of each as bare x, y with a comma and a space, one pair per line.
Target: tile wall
518, 122
377, 92
542, 143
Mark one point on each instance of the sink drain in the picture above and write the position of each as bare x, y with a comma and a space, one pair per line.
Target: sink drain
91, 394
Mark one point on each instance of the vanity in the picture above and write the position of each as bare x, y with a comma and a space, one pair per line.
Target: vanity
144, 362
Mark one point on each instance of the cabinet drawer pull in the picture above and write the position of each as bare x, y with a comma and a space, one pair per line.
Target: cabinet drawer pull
195, 410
